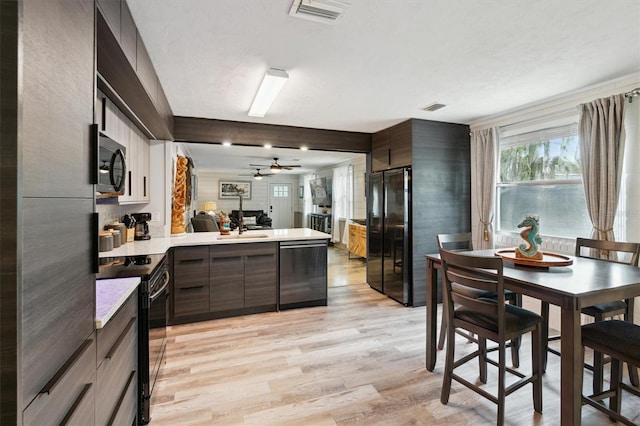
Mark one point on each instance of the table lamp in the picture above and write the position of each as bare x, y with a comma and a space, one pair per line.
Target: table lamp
210, 207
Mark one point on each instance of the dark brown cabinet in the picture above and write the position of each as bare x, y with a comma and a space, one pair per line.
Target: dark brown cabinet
128, 34
47, 294
226, 290
117, 364
440, 195
243, 276
224, 280
392, 148
190, 279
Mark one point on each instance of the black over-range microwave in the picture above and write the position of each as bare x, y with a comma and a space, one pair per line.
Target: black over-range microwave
112, 165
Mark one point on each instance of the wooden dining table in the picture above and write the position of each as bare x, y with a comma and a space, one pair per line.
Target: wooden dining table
584, 283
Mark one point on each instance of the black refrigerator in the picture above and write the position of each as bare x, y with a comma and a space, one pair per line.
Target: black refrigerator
389, 254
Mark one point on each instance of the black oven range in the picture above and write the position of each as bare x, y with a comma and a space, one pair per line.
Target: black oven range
153, 293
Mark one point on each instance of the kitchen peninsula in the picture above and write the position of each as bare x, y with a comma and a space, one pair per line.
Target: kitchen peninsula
215, 276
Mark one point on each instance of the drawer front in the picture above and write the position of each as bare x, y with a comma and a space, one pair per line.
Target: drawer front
114, 373
190, 253
126, 409
67, 395
244, 249
191, 272
191, 300
106, 337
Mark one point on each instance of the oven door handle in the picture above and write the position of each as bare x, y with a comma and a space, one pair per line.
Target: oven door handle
155, 295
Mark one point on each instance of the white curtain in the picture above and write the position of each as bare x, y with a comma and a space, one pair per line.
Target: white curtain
602, 137
484, 154
342, 203
307, 207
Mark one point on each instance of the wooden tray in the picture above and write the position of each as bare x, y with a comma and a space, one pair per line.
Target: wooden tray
548, 259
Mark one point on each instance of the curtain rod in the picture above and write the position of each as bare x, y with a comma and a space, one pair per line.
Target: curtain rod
633, 93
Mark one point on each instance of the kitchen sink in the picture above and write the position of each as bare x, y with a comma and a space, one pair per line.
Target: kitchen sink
241, 237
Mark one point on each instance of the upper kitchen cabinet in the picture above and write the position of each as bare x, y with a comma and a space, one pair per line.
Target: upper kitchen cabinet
391, 148
128, 34
126, 74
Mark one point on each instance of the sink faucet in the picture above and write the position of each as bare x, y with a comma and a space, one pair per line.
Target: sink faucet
240, 218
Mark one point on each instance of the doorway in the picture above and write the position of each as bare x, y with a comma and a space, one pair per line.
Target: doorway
281, 205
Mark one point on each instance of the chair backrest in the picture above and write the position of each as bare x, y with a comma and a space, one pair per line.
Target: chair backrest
607, 250
462, 272
204, 222
455, 242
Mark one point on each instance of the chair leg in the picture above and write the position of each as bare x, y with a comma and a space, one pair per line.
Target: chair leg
448, 366
616, 374
536, 360
515, 352
443, 332
515, 343
598, 367
482, 358
501, 381
633, 375
544, 313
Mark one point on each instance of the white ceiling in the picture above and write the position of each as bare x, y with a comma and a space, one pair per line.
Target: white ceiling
385, 60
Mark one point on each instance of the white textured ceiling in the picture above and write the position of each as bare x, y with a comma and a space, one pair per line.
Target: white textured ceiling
386, 59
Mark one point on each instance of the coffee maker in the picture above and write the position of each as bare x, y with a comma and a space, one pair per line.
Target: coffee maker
142, 228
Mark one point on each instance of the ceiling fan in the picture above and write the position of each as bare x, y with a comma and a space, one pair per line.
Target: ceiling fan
258, 176
277, 168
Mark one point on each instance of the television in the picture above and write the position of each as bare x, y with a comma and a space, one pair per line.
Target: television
321, 192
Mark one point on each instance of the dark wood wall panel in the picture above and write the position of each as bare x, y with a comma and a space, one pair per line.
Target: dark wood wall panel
441, 181
191, 129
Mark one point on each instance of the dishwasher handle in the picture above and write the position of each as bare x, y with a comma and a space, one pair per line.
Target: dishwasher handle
298, 246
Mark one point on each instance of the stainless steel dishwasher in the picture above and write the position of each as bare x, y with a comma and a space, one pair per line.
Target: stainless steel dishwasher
303, 273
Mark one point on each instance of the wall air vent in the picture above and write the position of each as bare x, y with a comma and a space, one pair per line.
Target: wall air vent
325, 11
433, 107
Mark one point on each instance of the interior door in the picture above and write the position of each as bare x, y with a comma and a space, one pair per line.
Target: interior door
281, 205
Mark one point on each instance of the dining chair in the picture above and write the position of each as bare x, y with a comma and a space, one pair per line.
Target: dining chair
490, 319
621, 341
204, 222
463, 242
599, 249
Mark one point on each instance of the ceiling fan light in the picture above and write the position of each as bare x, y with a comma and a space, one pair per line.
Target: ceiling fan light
104, 169
275, 169
257, 177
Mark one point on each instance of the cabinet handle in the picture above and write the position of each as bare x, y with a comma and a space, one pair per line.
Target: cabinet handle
191, 261
389, 155
129, 183
104, 114
95, 260
144, 187
118, 342
191, 288
51, 384
76, 404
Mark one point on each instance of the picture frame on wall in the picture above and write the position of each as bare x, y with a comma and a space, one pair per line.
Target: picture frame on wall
231, 189
301, 192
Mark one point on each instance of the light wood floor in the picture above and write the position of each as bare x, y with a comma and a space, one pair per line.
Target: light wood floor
358, 360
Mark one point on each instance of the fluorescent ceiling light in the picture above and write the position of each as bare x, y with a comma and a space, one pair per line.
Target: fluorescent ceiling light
271, 85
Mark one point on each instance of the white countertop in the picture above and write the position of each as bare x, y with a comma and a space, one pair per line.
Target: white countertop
161, 245
110, 295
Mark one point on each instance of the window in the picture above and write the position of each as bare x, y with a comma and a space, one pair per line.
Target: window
540, 174
280, 191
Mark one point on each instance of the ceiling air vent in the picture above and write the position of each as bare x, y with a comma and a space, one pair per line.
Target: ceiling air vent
433, 107
325, 11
